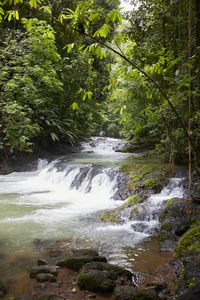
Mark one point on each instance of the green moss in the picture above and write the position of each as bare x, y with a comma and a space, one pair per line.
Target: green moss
152, 184
191, 283
108, 217
167, 227
168, 215
135, 199
162, 236
150, 175
189, 240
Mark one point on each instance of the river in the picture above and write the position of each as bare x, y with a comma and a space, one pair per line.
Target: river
65, 199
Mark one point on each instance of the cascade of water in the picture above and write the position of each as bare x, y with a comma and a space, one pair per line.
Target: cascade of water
103, 145
146, 219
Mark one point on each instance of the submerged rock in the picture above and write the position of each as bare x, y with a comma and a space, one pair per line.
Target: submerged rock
158, 286
44, 277
44, 297
80, 258
43, 269
133, 293
42, 262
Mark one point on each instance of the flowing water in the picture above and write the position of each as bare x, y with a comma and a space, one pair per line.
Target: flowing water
64, 199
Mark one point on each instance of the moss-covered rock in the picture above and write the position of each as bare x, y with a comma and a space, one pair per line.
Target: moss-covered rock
175, 220
132, 200
95, 281
189, 284
190, 240
149, 176
108, 217
112, 271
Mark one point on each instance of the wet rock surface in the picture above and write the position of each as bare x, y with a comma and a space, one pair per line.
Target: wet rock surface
95, 281
80, 258
44, 269
180, 232
131, 293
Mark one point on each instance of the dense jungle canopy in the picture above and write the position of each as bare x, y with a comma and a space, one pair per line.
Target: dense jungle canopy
70, 69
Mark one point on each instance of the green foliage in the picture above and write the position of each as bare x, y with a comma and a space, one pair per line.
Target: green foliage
29, 86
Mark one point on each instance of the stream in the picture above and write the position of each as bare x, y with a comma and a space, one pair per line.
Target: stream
64, 199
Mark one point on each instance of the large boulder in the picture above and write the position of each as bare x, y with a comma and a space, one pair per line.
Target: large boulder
102, 277
175, 219
112, 271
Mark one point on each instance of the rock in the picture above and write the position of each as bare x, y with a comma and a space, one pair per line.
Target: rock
51, 297
95, 281
43, 269
158, 286
26, 297
42, 262
190, 295
190, 276
175, 218
133, 293
124, 292
75, 262
141, 294
112, 271
81, 252
43, 277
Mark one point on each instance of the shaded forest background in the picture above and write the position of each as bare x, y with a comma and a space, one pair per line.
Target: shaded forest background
59, 84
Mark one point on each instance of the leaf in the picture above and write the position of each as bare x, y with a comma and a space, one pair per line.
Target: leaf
33, 3
90, 61
177, 72
61, 18
54, 136
69, 47
46, 9
74, 106
16, 15
103, 31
